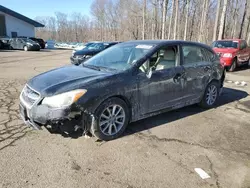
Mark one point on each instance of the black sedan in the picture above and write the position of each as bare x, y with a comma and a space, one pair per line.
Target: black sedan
125, 83
23, 44
89, 51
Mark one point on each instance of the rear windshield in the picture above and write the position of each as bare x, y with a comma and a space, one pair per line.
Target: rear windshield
225, 44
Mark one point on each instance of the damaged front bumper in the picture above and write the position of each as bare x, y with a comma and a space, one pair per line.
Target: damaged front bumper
64, 119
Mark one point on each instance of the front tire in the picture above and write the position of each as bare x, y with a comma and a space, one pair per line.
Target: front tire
25, 48
211, 95
233, 66
112, 118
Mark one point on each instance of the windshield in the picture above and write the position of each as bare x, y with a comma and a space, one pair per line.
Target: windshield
119, 57
96, 46
28, 40
225, 44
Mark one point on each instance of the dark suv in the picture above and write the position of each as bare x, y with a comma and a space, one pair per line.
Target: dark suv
4, 42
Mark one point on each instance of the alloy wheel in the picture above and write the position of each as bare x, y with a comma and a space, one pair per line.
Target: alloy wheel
112, 120
211, 95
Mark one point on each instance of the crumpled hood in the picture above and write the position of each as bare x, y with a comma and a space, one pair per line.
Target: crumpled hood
64, 79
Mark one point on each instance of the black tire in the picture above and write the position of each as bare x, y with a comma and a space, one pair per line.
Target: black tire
25, 48
233, 66
96, 128
204, 103
247, 63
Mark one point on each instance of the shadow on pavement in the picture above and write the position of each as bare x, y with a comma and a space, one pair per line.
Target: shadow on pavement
229, 95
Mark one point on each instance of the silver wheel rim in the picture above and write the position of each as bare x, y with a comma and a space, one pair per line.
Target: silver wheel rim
112, 120
211, 95
25, 48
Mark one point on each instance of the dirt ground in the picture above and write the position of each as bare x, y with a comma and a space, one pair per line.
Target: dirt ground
161, 151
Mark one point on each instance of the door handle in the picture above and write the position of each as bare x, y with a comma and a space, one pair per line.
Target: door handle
207, 68
178, 76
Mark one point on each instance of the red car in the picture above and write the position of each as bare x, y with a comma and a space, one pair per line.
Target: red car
232, 52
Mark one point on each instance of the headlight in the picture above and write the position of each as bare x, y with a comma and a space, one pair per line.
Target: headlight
227, 55
88, 56
64, 99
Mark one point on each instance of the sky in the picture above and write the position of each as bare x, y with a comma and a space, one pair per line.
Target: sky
34, 8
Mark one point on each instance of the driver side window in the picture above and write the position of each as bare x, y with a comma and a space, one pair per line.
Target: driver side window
164, 58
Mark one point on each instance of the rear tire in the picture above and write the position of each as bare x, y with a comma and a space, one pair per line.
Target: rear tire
111, 119
233, 66
211, 95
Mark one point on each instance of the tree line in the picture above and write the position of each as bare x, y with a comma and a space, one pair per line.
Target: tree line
122, 20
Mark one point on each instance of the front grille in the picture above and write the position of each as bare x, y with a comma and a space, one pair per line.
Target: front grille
29, 96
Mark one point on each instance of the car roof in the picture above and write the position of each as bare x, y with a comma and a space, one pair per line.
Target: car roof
166, 42
230, 40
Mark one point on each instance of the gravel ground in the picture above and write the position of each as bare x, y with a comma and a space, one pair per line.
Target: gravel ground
161, 151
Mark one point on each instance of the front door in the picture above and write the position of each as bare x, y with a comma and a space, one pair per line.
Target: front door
20, 44
161, 88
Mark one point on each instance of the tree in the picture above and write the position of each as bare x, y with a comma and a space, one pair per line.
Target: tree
164, 14
170, 20
222, 20
243, 20
216, 20
186, 21
176, 18
144, 19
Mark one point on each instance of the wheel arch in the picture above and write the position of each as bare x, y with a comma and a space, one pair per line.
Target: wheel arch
123, 98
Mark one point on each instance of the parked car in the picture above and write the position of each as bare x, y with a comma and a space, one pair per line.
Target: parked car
50, 44
4, 42
37, 40
23, 43
125, 83
232, 52
82, 55
82, 46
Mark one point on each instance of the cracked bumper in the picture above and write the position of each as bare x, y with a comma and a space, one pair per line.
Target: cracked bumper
66, 119
42, 115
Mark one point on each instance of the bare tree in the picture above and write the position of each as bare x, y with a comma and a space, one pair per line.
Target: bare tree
186, 21
164, 14
243, 20
222, 20
176, 18
144, 19
216, 20
170, 20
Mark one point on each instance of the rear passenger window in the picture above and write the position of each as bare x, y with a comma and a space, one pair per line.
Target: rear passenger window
193, 54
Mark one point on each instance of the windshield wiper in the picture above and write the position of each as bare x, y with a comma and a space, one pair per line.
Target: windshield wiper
107, 68
92, 67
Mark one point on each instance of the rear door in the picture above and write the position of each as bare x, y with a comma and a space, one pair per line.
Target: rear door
197, 68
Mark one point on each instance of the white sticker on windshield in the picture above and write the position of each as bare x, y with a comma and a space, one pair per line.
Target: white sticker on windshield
235, 41
144, 46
